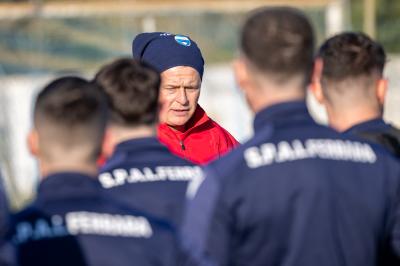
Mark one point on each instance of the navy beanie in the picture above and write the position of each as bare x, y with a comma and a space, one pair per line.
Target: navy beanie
165, 50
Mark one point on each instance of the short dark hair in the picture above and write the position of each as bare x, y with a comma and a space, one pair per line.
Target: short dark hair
132, 87
351, 54
279, 40
71, 111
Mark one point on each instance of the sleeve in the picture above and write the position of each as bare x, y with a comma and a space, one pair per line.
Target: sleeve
205, 231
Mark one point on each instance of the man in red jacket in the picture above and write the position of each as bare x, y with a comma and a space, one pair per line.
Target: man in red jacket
184, 126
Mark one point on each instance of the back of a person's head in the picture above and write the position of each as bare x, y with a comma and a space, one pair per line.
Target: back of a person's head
351, 55
132, 87
279, 42
70, 115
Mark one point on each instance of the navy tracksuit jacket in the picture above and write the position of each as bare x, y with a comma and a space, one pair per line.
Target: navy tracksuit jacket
296, 194
72, 223
142, 173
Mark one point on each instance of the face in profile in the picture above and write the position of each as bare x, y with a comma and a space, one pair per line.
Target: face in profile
179, 93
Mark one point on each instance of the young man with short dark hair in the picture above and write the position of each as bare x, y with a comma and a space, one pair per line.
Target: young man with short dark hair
297, 193
72, 222
140, 172
349, 81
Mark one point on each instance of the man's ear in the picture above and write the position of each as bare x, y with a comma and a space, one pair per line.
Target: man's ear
315, 85
241, 74
33, 142
107, 148
381, 90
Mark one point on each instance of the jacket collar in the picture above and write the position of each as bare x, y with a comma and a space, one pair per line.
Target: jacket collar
293, 111
138, 144
65, 185
198, 119
370, 125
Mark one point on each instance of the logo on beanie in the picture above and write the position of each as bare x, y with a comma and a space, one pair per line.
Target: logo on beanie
182, 40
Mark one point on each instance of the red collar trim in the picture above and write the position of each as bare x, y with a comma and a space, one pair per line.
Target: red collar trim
199, 117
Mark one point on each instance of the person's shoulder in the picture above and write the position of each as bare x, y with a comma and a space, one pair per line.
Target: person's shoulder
155, 155
222, 133
312, 141
231, 163
378, 148
30, 212
357, 141
234, 161
380, 158
23, 222
394, 131
382, 152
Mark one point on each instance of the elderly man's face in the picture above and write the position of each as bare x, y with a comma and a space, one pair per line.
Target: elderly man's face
179, 93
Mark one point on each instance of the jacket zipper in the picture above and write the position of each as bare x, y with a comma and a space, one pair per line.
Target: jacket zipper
182, 145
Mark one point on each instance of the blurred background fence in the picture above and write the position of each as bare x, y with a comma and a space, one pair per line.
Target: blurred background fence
44, 39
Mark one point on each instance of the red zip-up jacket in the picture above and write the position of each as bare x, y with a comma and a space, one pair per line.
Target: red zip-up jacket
203, 140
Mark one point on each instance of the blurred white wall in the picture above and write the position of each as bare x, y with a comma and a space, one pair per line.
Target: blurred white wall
224, 102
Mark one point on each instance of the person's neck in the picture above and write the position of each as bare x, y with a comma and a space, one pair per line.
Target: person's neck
117, 134
181, 129
342, 119
263, 102
268, 90
65, 165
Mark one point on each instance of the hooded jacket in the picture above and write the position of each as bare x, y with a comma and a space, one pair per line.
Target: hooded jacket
203, 140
